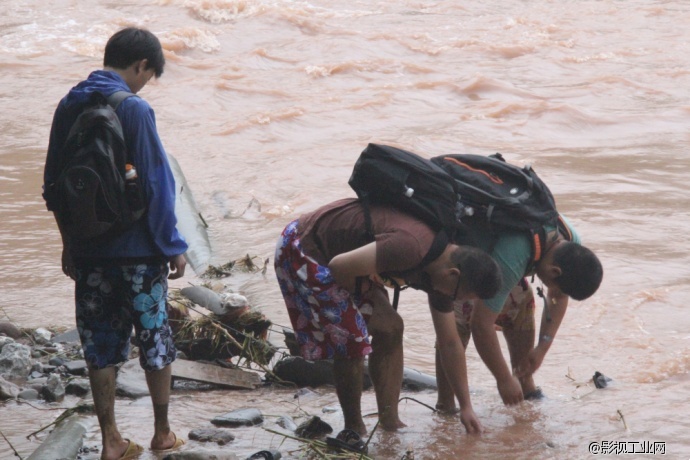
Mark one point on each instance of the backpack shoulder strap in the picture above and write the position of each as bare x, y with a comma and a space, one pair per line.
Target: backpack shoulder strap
539, 241
365, 201
564, 229
117, 97
437, 247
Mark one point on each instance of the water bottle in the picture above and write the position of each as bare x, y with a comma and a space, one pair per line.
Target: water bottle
132, 191
130, 173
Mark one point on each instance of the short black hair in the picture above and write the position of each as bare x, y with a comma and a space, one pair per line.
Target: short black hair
130, 45
581, 270
481, 272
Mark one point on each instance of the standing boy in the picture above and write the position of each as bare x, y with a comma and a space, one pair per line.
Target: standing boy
122, 280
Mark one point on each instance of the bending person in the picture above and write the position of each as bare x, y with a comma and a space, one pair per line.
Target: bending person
567, 269
331, 276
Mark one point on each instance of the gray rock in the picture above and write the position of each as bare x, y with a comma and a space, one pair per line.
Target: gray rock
131, 381
221, 437
48, 369
42, 335
53, 390
77, 367
29, 394
305, 393
56, 361
287, 423
35, 375
37, 384
78, 387
240, 417
304, 373
4, 340
67, 337
15, 360
10, 330
37, 367
8, 390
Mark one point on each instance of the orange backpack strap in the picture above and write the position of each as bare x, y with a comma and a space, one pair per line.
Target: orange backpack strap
537, 249
539, 242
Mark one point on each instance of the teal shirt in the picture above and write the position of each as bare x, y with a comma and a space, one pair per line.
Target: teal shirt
512, 252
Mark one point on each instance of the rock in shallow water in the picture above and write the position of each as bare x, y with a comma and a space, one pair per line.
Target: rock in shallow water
240, 417
219, 436
313, 428
54, 390
8, 390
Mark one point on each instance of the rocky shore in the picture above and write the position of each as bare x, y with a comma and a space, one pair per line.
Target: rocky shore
222, 344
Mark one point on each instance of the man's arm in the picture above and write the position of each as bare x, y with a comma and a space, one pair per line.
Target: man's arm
144, 144
68, 267
453, 363
489, 349
552, 317
349, 266
177, 266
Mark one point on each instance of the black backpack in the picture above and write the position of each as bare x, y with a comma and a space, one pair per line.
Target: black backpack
392, 176
91, 197
495, 195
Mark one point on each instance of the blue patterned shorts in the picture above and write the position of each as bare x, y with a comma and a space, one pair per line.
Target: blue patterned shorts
110, 300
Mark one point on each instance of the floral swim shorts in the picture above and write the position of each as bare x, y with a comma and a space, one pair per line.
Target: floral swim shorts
517, 313
110, 300
327, 320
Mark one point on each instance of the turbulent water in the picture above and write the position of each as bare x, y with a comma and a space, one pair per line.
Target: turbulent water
269, 102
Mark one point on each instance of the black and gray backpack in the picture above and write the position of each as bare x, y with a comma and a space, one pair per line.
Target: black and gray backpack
457, 195
91, 197
494, 195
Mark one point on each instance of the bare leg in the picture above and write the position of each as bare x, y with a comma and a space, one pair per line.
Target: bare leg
159, 387
386, 363
519, 344
103, 391
349, 377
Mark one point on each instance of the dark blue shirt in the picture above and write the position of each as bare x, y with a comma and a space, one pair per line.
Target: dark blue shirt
155, 234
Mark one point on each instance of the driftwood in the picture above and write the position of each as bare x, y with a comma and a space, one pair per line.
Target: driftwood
211, 373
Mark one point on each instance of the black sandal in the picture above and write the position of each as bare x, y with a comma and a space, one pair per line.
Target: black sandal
348, 440
535, 395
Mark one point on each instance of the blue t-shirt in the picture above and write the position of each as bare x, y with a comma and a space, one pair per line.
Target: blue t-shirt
513, 252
